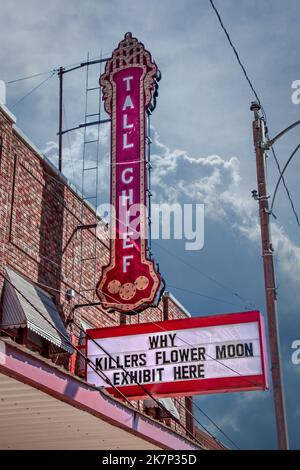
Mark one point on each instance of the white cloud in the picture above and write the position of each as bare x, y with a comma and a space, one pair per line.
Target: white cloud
73, 159
178, 177
217, 182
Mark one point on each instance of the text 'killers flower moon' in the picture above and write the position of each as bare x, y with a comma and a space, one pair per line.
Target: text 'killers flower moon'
130, 282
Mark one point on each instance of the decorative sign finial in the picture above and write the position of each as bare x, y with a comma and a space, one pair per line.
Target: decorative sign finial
130, 283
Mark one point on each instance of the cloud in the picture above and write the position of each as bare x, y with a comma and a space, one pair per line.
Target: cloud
73, 160
217, 182
179, 177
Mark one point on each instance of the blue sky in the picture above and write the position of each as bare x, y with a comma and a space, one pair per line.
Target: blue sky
203, 111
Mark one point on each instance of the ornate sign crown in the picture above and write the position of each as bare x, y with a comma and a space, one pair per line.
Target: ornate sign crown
130, 52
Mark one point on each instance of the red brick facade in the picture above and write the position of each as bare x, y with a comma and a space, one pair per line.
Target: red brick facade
41, 238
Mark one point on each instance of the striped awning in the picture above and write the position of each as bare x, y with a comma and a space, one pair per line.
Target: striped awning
26, 305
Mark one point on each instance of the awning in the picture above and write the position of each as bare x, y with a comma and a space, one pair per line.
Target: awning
168, 403
42, 406
18, 313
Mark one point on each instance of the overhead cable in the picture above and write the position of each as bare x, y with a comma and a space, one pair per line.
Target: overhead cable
31, 91
259, 101
93, 365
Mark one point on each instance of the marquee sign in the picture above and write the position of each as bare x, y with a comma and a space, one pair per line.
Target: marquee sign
222, 353
130, 282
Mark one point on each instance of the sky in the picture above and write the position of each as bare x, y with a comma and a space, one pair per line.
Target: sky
202, 150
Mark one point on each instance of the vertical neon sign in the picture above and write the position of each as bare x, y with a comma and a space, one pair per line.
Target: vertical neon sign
130, 282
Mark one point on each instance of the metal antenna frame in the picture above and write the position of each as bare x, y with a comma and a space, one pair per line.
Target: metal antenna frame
91, 226
60, 72
87, 169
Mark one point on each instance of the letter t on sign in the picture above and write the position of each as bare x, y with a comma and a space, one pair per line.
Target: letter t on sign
127, 80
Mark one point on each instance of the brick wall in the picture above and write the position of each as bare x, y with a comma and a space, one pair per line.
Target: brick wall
40, 238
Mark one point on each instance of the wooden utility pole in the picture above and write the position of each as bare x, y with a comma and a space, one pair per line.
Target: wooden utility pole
270, 287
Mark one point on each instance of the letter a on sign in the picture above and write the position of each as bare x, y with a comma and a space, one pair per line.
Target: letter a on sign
130, 282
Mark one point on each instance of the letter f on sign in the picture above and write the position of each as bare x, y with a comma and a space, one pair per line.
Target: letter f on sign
126, 262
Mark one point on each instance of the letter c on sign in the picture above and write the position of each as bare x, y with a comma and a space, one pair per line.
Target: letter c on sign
123, 176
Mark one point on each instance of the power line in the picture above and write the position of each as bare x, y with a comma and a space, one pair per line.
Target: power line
203, 295
210, 278
81, 295
55, 70
93, 365
65, 338
285, 186
175, 400
29, 77
279, 168
189, 344
216, 425
137, 383
234, 50
163, 329
194, 418
33, 90
258, 100
96, 370
252, 382
282, 178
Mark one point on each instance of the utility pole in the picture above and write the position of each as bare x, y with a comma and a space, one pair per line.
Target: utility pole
269, 275
60, 131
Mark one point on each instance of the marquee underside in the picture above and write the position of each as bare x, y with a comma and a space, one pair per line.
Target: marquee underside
31, 419
44, 407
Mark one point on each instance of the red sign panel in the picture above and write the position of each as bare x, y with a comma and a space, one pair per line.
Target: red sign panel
131, 282
221, 353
